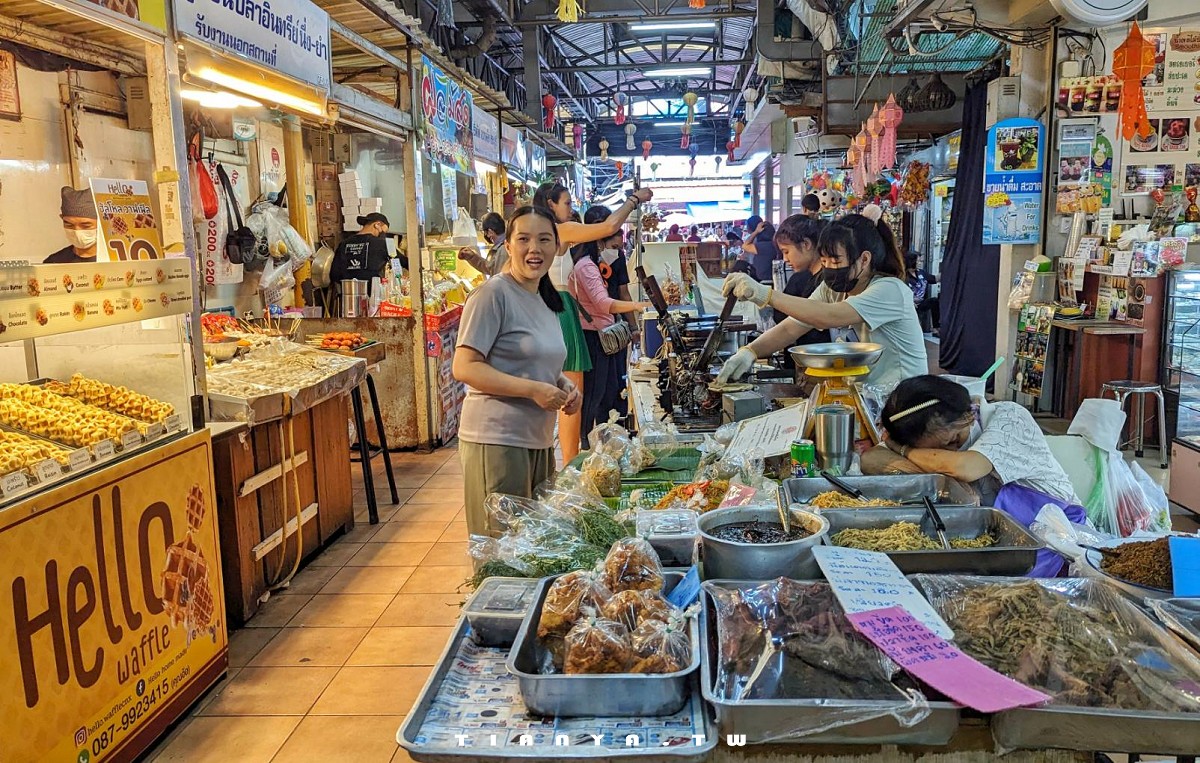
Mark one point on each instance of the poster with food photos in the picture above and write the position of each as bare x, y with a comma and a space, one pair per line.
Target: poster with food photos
1033, 341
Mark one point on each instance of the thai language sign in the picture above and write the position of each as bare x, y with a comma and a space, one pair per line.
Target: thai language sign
126, 219
1013, 182
446, 119
289, 36
485, 132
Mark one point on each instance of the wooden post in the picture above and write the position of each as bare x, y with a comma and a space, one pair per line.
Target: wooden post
414, 242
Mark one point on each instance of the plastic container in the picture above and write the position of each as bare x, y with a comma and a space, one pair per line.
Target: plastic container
496, 610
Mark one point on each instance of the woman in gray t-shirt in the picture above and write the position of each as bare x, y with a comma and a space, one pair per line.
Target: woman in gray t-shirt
512, 364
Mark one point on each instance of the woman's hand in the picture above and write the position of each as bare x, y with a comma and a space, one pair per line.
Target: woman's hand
548, 397
574, 398
746, 289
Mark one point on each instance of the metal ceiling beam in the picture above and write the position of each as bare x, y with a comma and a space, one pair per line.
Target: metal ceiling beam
594, 17
634, 67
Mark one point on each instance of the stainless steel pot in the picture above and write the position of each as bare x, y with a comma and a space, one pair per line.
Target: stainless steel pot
732, 560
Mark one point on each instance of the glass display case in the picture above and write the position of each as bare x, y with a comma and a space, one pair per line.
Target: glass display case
1181, 357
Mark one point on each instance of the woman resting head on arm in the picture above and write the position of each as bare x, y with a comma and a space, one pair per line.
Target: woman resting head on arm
512, 366
557, 199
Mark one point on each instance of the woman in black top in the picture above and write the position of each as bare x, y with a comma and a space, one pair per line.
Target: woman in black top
797, 242
761, 247
364, 255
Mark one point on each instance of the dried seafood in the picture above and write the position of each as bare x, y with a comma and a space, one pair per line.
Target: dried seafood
1146, 563
833, 499
902, 536
701, 496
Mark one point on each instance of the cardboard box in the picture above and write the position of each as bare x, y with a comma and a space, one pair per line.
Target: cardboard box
324, 172
348, 175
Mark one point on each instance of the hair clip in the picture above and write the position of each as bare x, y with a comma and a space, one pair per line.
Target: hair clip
918, 407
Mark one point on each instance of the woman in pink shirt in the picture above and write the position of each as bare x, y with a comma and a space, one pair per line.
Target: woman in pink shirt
601, 385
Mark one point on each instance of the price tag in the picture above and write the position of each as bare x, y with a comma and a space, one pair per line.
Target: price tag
14, 483
130, 439
47, 470
174, 422
154, 430
104, 449
80, 458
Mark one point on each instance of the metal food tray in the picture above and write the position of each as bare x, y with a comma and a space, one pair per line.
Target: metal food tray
253, 410
893, 487
497, 609
1181, 616
1015, 551
601, 695
672, 533
762, 719
470, 692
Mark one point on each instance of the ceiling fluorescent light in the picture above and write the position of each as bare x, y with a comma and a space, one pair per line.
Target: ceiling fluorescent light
669, 124
218, 99
263, 92
671, 26
678, 73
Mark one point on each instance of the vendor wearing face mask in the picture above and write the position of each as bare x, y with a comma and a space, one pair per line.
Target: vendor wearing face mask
862, 298
79, 224
364, 255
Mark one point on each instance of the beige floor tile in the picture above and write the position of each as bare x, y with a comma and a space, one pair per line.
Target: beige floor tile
431, 579
363, 516
378, 579
336, 555
455, 531
362, 533
398, 531
437, 496
449, 554
427, 609
244, 643
383, 496
366, 739
342, 611
215, 690
372, 691
271, 691
310, 647
248, 739
445, 482
401, 646
390, 554
309, 580
277, 611
408, 480
413, 468
461, 516
402, 756
428, 512
451, 468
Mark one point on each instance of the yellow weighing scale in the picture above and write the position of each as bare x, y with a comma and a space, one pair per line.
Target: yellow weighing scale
834, 366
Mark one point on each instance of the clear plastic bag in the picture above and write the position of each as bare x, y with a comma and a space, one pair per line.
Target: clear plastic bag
609, 438
1156, 499
633, 607
567, 598
1117, 505
661, 646
637, 458
632, 564
662, 440
602, 472
596, 645
276, 276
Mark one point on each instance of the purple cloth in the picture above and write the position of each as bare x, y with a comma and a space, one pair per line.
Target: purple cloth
1023, 504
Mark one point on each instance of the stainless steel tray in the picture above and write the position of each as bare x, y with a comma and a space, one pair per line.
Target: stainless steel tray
1083, 729
1014, 554
1181, 616
672, 533
577, 696
252, 410
497, 609
761, 720
450, 705
893, 487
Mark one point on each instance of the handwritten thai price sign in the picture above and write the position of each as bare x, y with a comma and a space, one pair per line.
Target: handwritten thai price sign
446, 119
129, 230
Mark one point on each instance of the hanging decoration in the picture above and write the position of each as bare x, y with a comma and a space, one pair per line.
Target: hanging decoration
915, 189
654, 169
646, 146
692, 167
935, 96
858, 179
548, 115
604, 149
686, 139
620, 99
690, 99
630, 129
693, 150
568, 11
853, 155
1133, 60
907, 97
729, 147
445, 13
875, 133
891, 115
620, 170
577, 132
717, 159
696, 3
502, 175
738, 126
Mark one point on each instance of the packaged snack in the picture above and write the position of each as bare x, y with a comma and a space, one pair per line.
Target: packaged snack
567, 596
596, 645
603, 473
661, 647
632, 608
632, 564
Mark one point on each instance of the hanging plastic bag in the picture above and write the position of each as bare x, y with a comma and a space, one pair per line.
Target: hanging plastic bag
464, 228
204, 191
1132, 508
276, 277
1156, 499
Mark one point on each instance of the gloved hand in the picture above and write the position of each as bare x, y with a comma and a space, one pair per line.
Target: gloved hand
739, 365
746, 289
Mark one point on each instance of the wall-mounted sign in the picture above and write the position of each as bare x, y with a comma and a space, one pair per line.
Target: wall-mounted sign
512, 149
446, 119
953, 151
127, 225
289, 36
1012, 182
485, 133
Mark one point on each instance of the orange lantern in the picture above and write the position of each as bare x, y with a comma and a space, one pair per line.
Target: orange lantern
1132, 61
646, 146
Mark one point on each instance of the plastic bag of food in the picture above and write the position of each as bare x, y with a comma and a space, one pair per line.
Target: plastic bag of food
1156, 499
662, 440
532, 540
1117, 504
609, 438
638, 458
700, 495
282, 239
603, 473
276, 277
596, 645
632, 564
710, 450
633, 607
567, 597
661, 646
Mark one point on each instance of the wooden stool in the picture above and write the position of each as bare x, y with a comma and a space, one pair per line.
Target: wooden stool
1125, 388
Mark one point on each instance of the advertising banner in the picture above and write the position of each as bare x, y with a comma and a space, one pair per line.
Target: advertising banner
512, 148
485, 132
127, 225
446, 119
113, 615
289, 36
1012, 182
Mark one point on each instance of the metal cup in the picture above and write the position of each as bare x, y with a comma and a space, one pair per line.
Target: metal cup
833, 431
354, 298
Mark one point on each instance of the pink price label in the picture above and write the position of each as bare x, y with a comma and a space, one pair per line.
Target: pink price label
937, 662
737, 495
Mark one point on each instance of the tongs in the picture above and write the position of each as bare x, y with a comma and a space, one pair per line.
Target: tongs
842, 485
938, 525
785, 514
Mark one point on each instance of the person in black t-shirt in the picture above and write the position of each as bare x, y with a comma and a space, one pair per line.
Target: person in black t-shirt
79, 223
364, 255
797, 242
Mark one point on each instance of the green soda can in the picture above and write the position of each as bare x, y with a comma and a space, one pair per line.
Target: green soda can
804, 458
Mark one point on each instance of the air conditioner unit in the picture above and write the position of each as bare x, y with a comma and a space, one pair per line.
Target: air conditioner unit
1003, 99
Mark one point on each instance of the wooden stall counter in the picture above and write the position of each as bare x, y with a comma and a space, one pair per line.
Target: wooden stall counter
1088, 353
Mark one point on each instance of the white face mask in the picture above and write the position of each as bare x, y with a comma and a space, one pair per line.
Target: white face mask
976, 433
81, 239
609, 256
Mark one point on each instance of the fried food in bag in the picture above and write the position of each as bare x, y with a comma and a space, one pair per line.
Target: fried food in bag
567, 597
596, 645
603, 473
632, 608
632, 564
661, 647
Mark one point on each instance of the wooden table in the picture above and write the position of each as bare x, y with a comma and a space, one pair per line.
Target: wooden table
1087, 354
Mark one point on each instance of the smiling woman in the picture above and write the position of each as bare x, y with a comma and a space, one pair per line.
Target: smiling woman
513, 368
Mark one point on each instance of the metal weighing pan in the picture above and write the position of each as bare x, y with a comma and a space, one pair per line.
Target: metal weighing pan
761, 719
833, 355
902, 488
579, 696
471, 693
1014, 553
497, 609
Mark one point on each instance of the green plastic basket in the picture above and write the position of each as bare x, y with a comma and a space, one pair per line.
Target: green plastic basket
680, 467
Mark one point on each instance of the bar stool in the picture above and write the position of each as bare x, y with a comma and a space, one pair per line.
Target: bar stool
1124, 388
366, 451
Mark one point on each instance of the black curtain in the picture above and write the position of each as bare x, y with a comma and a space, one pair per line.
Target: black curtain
970, 271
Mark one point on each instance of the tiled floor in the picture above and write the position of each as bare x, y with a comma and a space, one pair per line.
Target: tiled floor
327, 670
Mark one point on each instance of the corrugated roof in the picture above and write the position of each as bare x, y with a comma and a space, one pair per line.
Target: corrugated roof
964, 55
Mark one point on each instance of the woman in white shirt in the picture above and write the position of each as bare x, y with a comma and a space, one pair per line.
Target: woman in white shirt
863, 297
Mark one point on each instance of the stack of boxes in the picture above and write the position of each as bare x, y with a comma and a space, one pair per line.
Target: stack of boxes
354, 203
329, 217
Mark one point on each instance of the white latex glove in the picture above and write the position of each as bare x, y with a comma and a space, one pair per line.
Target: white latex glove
746, 289
739, 365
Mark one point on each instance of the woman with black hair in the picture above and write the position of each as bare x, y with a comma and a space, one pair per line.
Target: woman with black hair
760, 245
513, 369
863, 297
597, 308
797, 240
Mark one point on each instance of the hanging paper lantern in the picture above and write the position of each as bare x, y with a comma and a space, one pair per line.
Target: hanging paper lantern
738, 126
729, 147
686, 139
577, 131
654, 169
718, 161
853, 156
604, 149
620, 99
891, 115
694, 150
696, 3
690, 99
620, 170
630, 129
548, 116
568, 11
1132, 61
646, 146
875, 133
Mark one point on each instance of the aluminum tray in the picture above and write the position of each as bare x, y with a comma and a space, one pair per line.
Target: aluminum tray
604, 696
497, 609
449, 705
1014, 554
1181, 616
761, 719
893, 487
252, 410
672, 533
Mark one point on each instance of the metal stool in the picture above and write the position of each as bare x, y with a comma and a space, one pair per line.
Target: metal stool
366, 451
1123, 388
